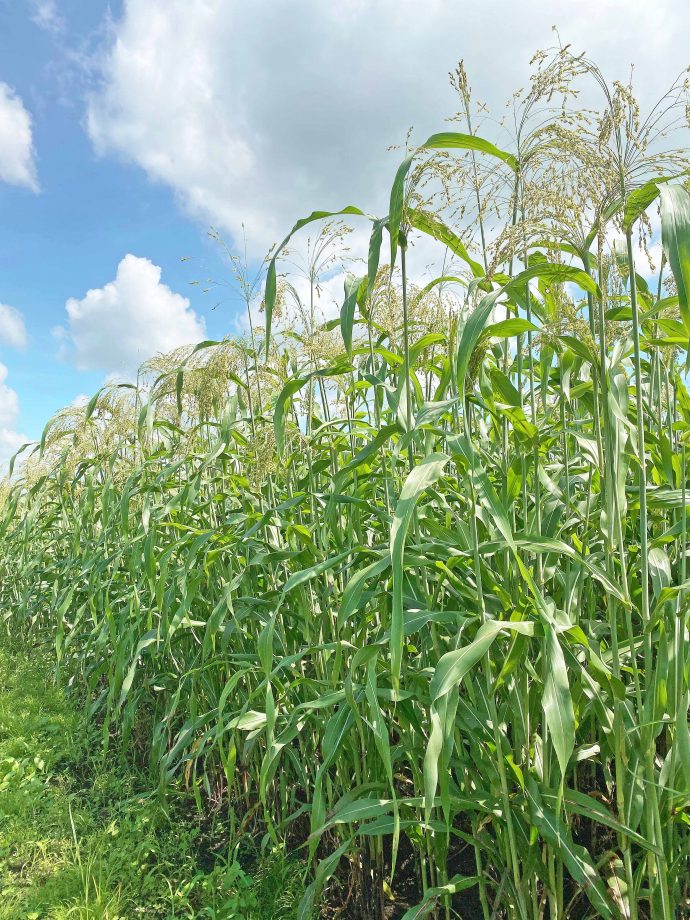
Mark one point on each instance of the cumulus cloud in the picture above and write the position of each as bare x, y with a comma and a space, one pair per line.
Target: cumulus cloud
9, 401
258, 112
12, 329
10, 440
17, 158
116, 327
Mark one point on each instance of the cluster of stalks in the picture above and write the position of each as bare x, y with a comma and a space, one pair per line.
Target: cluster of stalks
408, 589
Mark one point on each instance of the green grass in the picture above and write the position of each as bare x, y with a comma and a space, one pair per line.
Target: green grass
81, 838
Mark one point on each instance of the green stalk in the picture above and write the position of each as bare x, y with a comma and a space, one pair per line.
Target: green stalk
651, 802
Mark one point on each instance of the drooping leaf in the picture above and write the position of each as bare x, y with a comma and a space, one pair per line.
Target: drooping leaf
432, 226
455, 140
509, 327
557, 701
675, 235
432, 896
271, 286
454, 666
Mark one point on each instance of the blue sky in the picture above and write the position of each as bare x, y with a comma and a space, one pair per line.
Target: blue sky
128, 128
89, 212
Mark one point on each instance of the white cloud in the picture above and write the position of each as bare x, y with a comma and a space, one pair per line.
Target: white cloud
9, 401
12, 329
116, 327
259, 112
17, 163
46, 16
10, 440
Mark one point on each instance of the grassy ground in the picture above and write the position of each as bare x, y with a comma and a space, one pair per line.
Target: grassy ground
80, 838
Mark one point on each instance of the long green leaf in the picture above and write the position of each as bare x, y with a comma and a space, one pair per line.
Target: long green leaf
420, 478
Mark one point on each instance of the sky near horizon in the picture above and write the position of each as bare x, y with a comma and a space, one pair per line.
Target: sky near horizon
128, 129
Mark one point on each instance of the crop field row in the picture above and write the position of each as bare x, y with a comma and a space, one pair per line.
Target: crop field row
405, 592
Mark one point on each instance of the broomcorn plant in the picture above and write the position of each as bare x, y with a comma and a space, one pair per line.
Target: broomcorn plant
408, 589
